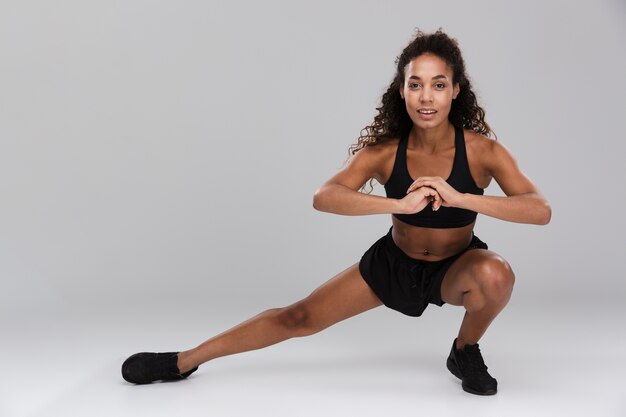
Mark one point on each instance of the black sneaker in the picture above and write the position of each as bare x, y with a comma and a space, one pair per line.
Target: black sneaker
467, 364
147, 367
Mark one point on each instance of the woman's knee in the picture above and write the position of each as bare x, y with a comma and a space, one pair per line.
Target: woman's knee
297, 319
494, 277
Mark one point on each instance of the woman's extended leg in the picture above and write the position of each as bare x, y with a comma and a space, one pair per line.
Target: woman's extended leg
343, 296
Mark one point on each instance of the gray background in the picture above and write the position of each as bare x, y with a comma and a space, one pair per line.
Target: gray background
158, 162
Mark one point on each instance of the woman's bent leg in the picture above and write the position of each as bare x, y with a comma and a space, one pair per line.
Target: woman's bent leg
481, 281
343, 296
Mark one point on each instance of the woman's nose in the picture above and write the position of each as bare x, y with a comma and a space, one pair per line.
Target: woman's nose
426, 95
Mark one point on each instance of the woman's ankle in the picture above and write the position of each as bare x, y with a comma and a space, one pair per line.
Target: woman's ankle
184, 363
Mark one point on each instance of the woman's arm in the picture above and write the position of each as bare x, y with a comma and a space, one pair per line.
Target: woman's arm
525, 208
340, 193
339, 199
523, 203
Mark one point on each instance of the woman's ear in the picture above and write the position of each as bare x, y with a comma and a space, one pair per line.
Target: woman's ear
456, 91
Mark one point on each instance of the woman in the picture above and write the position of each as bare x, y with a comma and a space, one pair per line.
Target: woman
429, 127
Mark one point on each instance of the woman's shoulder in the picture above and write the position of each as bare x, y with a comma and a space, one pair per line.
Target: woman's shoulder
481, 156
481, 147
381, 150
381, 157
477, 141
490, 154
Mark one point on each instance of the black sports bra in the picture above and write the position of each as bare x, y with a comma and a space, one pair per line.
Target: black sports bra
460, 179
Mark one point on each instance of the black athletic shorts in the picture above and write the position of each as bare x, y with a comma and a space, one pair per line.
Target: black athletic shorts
403, 283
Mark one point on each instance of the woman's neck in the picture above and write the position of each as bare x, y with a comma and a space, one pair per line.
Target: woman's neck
432, 139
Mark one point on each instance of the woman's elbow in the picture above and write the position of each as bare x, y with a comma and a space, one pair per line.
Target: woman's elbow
318, 199
546, 214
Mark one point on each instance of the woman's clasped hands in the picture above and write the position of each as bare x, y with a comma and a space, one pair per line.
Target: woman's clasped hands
416, 200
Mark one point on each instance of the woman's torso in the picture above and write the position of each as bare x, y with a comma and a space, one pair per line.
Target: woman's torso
429, 243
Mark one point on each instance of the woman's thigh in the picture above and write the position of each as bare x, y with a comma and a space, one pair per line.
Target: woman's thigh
343, 296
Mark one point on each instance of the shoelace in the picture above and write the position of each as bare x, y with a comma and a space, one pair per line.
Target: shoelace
475, 362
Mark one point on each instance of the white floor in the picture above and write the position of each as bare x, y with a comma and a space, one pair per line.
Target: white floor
551, 361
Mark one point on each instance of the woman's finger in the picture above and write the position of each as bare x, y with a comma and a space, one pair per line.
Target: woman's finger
421, 182
437, 202
433, 196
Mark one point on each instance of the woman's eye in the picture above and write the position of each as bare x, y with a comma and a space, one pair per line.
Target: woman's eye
414, 85
440, 85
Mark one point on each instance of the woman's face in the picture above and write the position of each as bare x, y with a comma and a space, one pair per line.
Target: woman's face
428, 90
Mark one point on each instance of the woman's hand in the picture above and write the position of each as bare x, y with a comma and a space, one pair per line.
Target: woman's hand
449, 196
416, 200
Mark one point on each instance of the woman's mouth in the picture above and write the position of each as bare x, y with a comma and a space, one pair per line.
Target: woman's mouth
426, 113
